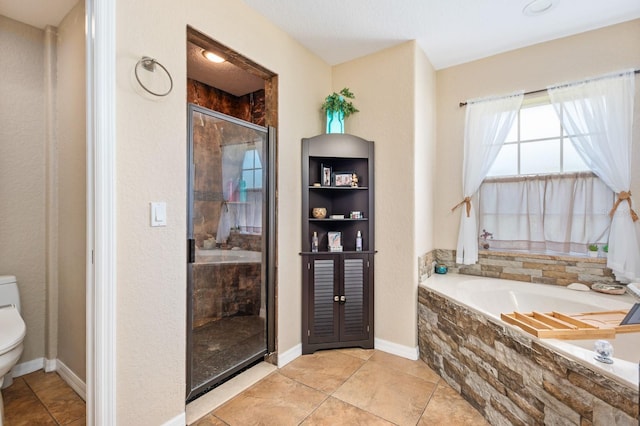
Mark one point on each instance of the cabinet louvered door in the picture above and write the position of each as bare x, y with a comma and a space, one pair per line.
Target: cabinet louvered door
323, 316
354, 323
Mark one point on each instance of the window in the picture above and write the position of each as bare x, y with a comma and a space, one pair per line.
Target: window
539, 194
537, 144
252, 169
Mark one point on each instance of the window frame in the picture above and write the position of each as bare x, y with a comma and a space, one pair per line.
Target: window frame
540, 100
254, 170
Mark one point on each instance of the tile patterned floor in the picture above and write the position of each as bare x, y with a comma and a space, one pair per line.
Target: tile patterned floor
41, 398
348, 387
340, 387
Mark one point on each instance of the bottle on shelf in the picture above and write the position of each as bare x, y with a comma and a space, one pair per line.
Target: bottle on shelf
359, 241
314, 242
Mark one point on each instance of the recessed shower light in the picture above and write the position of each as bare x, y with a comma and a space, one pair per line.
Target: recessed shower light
212, 57
538, 7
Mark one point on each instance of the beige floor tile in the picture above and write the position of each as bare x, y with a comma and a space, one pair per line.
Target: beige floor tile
416, 368
386, 392
209, 420
448, 407
79, 422
59, 399
323, 370
335, 412
276, 400
22, 407
358, 352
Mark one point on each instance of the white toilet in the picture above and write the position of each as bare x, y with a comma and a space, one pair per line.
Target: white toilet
12, 331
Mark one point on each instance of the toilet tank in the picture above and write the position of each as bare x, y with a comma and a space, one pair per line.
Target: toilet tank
9, 291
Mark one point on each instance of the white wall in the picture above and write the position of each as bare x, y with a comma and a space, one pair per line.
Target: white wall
71, 190
393, 87
536, 67
22, 173
151, 166
425, 154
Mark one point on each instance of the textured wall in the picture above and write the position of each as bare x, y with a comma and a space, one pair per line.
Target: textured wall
22, 173
250, 107
224, 290
531, 268
386, 86
531, 68
151, 166
71, 138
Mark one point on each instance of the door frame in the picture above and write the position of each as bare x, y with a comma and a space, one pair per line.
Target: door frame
268, 240
100, 24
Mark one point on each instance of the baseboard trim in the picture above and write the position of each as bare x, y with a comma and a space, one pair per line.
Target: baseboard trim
179, 420
286, 357
396, 349
50, 365
76, 383
27, 367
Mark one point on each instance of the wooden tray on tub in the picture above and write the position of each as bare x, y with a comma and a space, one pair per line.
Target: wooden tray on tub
556, 325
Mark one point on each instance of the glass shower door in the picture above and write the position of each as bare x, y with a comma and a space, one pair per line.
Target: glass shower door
227, 269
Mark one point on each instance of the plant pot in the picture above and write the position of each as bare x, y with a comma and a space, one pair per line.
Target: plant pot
335, 122
592, 253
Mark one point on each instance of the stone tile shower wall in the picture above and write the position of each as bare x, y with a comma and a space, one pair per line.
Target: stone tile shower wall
528, 267
208, 188
512, 379
224, 290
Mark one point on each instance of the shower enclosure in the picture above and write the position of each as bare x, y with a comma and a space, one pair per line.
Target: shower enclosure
230, 247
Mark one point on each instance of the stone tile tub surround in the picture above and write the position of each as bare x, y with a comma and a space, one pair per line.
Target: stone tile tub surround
529, 267
512, 377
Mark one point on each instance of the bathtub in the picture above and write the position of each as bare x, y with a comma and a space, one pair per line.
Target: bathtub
228, 256
491, 297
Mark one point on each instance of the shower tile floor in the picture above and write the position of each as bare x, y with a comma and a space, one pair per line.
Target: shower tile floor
222, 344
348, 387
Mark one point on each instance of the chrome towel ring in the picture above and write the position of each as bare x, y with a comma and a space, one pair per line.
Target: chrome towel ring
149, 64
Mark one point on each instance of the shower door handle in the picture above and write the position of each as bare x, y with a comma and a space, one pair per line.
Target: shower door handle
191, 250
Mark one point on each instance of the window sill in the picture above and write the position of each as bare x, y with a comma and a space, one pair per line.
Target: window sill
545, 256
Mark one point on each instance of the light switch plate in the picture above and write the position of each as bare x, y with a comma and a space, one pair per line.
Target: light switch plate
158, 214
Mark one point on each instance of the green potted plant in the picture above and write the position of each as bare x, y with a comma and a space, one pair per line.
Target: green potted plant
605, 250
338, 107
593, 250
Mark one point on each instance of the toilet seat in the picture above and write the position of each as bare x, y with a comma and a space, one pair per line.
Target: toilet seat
12, 329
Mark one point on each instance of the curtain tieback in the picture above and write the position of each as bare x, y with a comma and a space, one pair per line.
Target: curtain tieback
622, 196
467, 201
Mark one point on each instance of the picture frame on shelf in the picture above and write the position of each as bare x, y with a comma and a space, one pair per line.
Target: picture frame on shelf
334, 240
325, 175
343, 178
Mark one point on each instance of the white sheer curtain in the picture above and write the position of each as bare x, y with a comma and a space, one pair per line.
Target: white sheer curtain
598, 116
561, 213
246, 216
487, 124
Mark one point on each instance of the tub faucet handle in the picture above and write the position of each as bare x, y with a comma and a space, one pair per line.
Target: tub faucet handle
604, 351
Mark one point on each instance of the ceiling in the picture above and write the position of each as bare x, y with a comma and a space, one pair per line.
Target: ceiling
450, 32
38, 13
224, 76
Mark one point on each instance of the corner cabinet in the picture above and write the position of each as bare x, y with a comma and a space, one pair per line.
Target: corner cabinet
337, 279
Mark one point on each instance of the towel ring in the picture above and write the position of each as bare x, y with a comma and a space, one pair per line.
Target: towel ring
149, 64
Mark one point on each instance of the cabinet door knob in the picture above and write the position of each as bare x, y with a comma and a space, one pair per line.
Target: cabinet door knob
336, 298
343, 299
